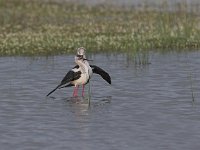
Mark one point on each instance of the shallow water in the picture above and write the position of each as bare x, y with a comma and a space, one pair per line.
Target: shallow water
146, 107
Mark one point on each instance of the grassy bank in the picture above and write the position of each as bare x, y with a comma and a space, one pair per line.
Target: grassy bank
40, 28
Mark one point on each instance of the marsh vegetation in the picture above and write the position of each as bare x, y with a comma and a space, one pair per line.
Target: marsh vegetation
47, 28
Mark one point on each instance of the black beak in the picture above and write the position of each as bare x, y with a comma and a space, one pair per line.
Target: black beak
87, 59
80, 56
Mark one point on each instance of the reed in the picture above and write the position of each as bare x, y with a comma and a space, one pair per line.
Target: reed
192, 88
47, 28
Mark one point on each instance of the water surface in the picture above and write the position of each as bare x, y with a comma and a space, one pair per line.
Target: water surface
146, 107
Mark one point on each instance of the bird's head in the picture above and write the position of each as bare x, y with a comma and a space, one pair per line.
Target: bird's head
79, 57
81, 53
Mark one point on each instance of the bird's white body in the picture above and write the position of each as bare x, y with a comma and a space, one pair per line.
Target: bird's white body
84, 75
90, 72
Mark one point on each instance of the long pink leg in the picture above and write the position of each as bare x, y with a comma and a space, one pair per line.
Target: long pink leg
75, 91
83, 90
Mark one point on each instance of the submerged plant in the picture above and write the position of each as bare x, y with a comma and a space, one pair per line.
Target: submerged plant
192, 89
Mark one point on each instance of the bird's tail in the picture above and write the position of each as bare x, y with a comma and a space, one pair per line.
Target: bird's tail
53, 90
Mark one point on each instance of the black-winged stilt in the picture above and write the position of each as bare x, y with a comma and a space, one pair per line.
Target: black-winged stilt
91, 68
81, 73
77, 76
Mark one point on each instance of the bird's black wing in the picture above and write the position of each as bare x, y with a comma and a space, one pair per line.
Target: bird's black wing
70, 76
101, 72
53, 90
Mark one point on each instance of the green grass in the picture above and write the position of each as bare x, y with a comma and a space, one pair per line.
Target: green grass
40, 28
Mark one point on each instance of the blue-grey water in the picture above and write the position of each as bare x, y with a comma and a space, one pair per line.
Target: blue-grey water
146, 107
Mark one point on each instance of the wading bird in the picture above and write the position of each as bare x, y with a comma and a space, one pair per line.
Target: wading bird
91, 68
77, 76
83, 72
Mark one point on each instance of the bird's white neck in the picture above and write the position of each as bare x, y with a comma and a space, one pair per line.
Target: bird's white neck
82, 65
